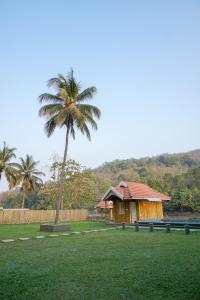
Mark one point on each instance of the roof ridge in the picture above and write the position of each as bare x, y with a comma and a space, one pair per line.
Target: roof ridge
139, 189
129, 190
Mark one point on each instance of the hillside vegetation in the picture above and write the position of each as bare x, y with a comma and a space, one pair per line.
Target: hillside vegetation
175, 174
148, 167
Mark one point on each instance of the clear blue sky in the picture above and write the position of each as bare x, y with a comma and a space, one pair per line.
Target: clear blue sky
143, 57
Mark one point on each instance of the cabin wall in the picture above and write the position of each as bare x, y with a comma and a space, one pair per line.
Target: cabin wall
120, 218
149, 210
144, 210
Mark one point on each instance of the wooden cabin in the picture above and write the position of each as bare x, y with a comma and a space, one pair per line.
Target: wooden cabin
133, 201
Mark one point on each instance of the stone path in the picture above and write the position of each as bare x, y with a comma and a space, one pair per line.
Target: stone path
56, 235
8, 241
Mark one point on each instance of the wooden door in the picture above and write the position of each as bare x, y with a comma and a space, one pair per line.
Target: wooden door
133, 212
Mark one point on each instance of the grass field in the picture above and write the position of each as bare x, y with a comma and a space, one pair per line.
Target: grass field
32, 230
113, 264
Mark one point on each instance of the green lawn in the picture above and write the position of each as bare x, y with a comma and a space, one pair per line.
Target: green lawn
113, 264
32, 230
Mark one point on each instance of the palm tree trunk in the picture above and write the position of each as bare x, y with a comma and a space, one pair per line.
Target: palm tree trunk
60, 183
23, 199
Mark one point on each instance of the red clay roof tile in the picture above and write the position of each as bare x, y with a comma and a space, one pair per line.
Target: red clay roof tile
104, 204
140, 190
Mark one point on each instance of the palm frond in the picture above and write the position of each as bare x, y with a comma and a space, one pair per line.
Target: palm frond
62, 79
85, 108
60, 118
50, 109
72, 131
63, 93
86, 94
89, 119
76, 115
37, 179
85, 130
6, 154
50, 126
46, 97
56, 82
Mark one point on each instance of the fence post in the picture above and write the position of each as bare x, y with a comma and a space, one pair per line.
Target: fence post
151, 228
168, 228
123, 226
187, 229
137, 227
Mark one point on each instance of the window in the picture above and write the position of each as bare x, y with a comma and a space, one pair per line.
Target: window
121, 208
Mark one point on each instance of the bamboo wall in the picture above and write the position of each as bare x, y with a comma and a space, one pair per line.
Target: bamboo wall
121, 218
150, 210
144, 210
12, 216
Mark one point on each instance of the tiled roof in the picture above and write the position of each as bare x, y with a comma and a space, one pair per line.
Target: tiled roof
140, 190
104, 204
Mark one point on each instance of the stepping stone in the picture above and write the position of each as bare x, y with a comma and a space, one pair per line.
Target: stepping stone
65, 234
7, 241
40, 237
76, 232
53, 235
24, 239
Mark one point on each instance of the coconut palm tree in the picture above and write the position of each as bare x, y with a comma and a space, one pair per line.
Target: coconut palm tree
27, 176
68, 108
6, 167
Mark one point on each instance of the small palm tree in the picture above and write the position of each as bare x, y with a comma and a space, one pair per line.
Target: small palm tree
67, 108
27, 176
6, 167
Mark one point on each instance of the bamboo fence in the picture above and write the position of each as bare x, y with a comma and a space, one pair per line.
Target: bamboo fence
19, 216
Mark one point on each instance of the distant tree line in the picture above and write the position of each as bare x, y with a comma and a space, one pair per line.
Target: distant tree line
80, 188
177, 176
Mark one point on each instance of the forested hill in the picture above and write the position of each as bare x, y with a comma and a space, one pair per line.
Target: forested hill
149, 167
177, 175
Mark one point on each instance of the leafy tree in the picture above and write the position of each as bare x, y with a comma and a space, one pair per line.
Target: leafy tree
71, 168
143, 172
186, 160
46, 196
12, 199
195, 205
166, 160
67, 108
79, 190
6, 167
27, 176
79, 187
101, 185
